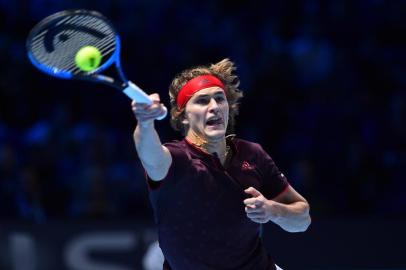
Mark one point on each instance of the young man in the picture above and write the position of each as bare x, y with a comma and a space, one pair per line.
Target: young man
211, 191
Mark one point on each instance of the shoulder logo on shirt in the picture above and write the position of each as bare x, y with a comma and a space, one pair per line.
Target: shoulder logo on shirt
246, 166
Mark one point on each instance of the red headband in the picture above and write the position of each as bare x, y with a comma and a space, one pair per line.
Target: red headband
196, 84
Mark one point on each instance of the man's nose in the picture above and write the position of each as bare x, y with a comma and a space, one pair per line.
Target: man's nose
213, 105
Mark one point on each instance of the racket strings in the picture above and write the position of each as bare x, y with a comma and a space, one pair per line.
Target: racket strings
67, 63
73, 33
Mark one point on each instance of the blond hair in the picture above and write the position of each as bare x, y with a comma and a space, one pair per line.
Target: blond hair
223, 70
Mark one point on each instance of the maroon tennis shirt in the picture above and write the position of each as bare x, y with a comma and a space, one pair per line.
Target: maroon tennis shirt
199, 209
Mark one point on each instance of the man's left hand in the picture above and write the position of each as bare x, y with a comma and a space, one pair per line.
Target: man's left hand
258, 208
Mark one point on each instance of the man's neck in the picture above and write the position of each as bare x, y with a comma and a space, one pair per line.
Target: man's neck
208, 146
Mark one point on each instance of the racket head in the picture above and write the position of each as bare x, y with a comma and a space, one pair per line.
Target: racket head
52, 44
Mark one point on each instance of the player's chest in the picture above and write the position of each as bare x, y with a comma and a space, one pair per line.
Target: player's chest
238, 174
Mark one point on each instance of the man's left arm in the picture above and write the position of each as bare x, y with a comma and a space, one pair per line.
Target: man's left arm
289, 209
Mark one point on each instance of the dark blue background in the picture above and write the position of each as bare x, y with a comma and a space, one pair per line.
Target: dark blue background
324, 85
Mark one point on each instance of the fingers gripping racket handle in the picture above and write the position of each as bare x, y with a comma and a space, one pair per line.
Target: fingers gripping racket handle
136, 93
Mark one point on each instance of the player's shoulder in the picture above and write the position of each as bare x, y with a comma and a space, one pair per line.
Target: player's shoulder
179, 150
242, 144
251, 151
175, 145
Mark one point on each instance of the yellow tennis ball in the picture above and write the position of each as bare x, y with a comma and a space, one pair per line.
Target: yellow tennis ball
88, 58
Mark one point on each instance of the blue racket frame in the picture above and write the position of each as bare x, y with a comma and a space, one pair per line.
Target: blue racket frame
127, 87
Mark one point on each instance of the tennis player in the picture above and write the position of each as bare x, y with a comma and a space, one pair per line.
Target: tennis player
211, 191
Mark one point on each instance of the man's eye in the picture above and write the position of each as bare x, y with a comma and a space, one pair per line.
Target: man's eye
202, 101
220, 99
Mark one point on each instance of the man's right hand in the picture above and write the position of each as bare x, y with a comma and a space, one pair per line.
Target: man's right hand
146, 114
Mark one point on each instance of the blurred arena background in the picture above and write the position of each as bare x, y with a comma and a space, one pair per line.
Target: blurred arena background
324, 85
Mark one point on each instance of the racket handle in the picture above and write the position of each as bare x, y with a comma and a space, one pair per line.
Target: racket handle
136, 93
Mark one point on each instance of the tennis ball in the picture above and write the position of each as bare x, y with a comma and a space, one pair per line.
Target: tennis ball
88, 58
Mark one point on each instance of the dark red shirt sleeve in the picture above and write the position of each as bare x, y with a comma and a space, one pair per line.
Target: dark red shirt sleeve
274, 182
179, 155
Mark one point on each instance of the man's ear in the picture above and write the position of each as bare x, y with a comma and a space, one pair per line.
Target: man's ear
185, 121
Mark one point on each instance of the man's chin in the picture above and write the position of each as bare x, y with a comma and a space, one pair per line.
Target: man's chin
215, 134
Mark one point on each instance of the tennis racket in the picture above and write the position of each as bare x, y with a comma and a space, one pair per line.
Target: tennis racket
54, 42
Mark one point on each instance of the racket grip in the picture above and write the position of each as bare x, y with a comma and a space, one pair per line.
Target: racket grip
137, 94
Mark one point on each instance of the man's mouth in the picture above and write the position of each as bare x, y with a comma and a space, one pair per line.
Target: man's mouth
214, 121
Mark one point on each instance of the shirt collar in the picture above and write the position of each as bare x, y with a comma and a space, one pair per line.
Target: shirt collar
229, 141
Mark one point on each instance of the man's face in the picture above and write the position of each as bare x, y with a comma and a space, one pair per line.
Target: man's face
206, 114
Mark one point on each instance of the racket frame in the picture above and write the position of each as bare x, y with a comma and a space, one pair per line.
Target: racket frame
127, 87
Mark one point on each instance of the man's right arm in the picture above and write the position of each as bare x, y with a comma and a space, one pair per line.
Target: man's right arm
155, 158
